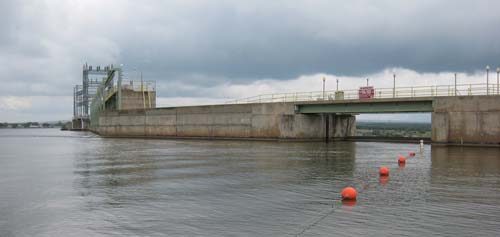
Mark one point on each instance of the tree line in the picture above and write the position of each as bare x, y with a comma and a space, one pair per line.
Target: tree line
31, 125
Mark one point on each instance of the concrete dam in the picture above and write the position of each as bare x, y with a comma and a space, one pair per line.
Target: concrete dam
458, 120
461, 114
250, 121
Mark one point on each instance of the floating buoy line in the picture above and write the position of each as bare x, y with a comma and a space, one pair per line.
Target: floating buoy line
349, 194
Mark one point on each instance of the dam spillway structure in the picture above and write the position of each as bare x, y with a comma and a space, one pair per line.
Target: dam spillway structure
460, 114
111, 89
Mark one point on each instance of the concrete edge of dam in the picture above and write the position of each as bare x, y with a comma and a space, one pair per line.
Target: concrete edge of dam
461, 120
247, 121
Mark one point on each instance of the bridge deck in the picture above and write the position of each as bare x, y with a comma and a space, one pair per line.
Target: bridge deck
398, 105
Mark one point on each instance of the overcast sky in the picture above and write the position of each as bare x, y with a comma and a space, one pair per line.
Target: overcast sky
213, 51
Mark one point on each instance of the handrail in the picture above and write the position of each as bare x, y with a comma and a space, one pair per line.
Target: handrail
380, 93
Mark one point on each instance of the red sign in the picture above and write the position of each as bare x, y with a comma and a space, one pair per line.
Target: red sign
366, 92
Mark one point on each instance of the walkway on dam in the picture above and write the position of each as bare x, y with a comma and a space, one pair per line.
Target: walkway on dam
373, 100
369, 92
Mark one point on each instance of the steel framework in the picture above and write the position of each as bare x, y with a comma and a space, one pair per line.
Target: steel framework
108, 95
82, 94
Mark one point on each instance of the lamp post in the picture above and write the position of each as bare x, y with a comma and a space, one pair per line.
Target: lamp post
323, 88
498, 72
337, 84
367, 81
487, 80
455, 85
394, 84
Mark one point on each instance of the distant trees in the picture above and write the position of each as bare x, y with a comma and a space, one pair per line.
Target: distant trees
32, 125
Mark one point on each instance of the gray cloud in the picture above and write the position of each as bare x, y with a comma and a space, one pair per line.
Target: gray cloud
187, 45
283, 41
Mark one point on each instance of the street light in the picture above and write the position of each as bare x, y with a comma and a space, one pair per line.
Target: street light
323, 88
337, 84
367, 81
394, 83
487, 79
498, 72
455, 85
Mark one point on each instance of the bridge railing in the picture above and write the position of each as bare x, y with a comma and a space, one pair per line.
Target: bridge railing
380, 93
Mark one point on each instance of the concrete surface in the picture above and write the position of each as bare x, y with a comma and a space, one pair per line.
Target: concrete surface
466, 119
137, 100
259, 121
455, 120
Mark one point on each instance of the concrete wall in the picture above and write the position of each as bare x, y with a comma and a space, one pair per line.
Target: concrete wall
260, 121
79, 124
466, 119
138, 100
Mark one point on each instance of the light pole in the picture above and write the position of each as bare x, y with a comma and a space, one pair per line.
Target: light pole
487, 79
455, 85
323, 88
367, 81
498, 72
394, 84
337, 84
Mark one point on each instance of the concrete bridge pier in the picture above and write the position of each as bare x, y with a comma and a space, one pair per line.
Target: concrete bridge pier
466, 120
80, 124
339, 126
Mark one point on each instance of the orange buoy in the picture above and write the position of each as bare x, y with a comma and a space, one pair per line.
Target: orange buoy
412, 153
383, 171
349, 193
401, 160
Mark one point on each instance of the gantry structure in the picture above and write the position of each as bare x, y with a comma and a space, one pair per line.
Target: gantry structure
92, 78
103, 88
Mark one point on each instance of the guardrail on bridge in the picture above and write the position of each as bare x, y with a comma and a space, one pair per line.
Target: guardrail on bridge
379, 93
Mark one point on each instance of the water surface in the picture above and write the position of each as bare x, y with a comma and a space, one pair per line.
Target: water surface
55, 183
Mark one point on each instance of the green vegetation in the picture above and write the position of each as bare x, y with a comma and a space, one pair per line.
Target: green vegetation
393, 129
32, 125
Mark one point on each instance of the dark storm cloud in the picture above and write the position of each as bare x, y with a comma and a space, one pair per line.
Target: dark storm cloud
244, 41
190, 45
283, 41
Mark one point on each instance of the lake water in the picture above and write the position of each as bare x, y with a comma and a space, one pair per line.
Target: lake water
56, 183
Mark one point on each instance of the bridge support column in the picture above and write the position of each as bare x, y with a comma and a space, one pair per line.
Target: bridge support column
466, 120
339, 126
80, 124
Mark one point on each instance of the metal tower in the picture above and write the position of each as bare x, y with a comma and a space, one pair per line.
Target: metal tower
92, 78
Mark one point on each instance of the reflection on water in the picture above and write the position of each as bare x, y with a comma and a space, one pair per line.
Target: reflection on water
466, 161
62, 183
